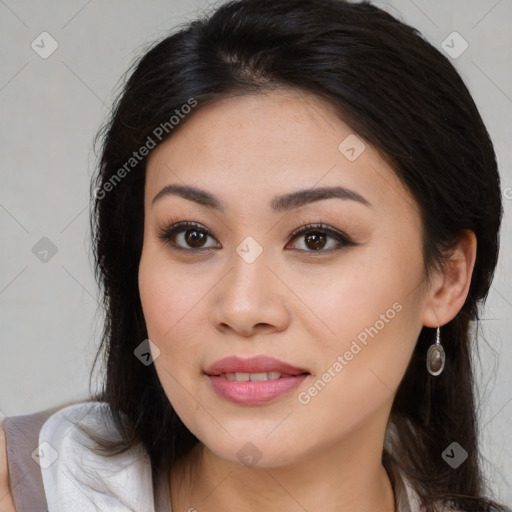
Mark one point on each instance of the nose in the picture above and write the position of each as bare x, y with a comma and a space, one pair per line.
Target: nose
250, 300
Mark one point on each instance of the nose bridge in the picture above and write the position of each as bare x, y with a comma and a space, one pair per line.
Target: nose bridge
249, 271
248, 296
250, 250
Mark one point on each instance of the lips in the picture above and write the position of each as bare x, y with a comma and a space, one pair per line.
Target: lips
253, 381
258, 364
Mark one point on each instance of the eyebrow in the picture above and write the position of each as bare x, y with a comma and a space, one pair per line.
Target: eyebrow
278, 204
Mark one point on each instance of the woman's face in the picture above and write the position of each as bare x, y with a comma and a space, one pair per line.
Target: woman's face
344, 312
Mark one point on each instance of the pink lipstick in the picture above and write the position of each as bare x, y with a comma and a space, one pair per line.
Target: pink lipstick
253, 381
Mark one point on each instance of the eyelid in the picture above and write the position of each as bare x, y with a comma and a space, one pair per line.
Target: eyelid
173, 226
342, 238
320, 226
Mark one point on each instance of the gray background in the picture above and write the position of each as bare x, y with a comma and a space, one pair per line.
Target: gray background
51, 110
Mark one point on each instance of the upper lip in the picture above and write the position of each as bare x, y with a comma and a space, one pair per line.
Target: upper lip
257, 364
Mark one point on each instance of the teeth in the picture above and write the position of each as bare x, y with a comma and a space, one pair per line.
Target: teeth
246, 377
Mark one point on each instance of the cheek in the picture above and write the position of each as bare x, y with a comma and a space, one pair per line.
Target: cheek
346, 298
174, 307
167, 295
370, 316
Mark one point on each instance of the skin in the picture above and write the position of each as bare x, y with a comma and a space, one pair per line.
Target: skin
6, 499
299, 305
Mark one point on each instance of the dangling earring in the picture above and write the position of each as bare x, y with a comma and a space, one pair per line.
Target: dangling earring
436, 356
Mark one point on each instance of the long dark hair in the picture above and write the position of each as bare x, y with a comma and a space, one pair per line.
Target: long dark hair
398, 93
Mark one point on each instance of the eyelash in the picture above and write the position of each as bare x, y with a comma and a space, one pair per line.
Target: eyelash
167, 232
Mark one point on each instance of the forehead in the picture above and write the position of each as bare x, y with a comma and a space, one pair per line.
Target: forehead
254, 146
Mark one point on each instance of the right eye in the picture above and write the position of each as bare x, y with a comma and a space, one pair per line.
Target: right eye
189, 233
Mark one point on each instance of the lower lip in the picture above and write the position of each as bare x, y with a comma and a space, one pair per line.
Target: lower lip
254, 392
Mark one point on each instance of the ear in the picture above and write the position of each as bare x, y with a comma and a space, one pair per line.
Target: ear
450, 286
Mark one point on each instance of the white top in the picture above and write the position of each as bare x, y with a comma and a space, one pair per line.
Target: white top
77, 479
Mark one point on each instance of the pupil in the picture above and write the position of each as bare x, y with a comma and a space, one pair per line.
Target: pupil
318, 241
194, 237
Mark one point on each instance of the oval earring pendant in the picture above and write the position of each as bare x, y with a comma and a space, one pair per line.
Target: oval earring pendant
435, 359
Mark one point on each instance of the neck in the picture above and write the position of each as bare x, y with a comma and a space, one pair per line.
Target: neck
347, 477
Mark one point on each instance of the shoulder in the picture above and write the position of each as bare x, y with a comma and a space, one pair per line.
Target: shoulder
42, 437
21, 484
413, 502
87, 414
76, 472
6, 501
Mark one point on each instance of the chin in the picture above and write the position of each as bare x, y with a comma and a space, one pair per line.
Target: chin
255, 455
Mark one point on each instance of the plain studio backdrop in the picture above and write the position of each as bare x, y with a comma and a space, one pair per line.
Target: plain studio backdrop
55, 94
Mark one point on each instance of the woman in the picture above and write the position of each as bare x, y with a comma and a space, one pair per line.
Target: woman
296, 216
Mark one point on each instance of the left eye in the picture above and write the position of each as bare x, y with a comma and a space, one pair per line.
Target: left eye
315, 237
